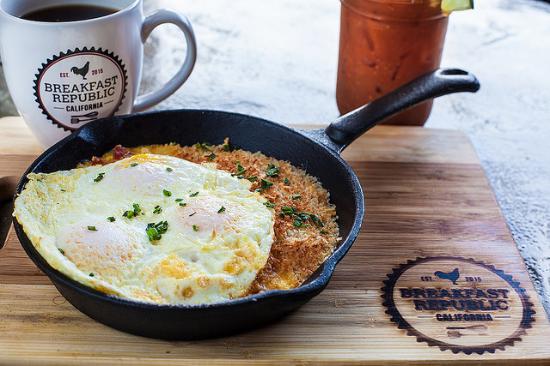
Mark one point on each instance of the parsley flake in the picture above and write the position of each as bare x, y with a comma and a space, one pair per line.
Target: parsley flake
128, 214
222, 209
179, 199
111, 219
137, 209
154, 231
316, 220
168, 169
195, 228
269, 204
134, 212
99, 177
91, 274
288, 210
240, 171
157, 209
202, 146
272, 171
211, 156
92, 228
300, 218
61, 251
228, 146
252, 178
286, 182
265, 185
134, 165
195, 194
167, 193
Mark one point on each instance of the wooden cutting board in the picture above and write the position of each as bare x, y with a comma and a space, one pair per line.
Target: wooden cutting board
427, 199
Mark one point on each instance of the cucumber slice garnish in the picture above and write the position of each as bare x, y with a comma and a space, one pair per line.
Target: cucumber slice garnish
448, 6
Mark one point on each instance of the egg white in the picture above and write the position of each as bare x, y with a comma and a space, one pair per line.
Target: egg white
208, 254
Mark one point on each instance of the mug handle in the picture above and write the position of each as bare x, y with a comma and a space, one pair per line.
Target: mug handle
151, 22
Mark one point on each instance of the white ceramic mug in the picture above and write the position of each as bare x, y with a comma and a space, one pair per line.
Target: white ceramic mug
62, 75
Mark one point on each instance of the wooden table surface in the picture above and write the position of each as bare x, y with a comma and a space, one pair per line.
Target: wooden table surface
426, 196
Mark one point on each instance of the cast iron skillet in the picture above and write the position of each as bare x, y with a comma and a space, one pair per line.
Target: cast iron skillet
316, 151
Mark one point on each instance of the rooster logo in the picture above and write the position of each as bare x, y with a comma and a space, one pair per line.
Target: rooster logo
82, 71
451, 276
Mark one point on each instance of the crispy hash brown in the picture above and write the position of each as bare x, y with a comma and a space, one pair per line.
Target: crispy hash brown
305, 226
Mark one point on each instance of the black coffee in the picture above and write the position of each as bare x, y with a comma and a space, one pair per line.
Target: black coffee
68, 13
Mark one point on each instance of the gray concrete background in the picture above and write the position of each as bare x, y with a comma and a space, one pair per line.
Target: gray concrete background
277, 59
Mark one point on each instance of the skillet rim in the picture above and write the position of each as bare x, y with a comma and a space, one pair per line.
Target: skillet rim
316, 285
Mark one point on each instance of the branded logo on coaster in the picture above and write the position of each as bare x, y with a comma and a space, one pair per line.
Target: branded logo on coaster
457, 304
79, 86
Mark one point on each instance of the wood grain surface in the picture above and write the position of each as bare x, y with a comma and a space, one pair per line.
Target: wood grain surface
426, 195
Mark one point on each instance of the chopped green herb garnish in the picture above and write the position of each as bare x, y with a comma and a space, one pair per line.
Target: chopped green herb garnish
300, 218
252, 178
167, 193
265, 184
272, 171
286, 182
99, 177
183, 204
240, 170
62, 190
134, 212
316, 220
92, 228
202, 146
168, 169
222, 209
179, 199
211, 156
128, 214
162, 227
324, 232
229, 147
192, 214
134, 164
195, 194
288, 210
269, 204
296, 196
157, 210
111, 219
155, 231
152, 234
91, 274
61, 251
137, 209
195, 228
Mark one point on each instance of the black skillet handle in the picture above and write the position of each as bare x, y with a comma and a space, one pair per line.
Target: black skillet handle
440, 82
7, 191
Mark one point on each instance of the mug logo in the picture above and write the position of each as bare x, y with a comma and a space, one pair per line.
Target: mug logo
79, 86
451, 276
82, 71
457, 304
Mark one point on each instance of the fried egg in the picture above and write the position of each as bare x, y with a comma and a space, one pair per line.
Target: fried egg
150, 228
